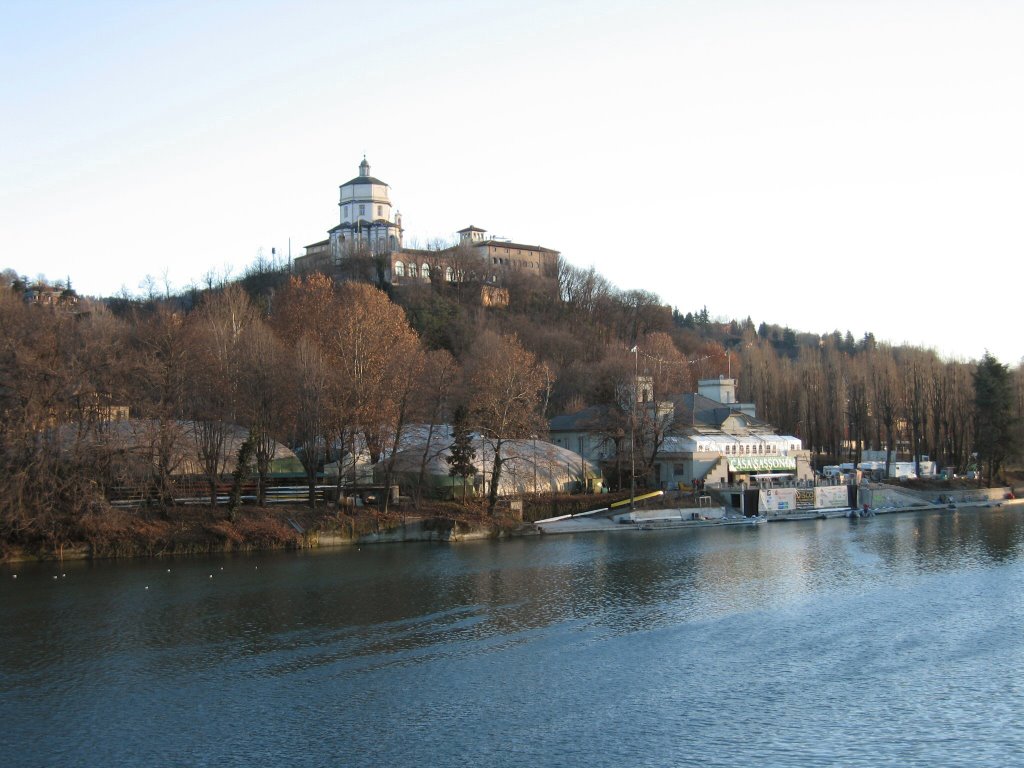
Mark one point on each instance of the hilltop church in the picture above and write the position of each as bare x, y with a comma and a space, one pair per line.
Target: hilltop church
370, 226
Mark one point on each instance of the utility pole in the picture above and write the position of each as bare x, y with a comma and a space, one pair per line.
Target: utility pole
632, 430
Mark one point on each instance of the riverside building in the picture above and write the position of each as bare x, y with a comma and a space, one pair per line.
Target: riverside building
705, 436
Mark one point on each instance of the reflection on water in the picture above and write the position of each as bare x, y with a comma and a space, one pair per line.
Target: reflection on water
724, 646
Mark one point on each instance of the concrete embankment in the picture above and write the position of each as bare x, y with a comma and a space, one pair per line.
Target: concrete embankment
427, 529
881, 500
885, 500
646, 518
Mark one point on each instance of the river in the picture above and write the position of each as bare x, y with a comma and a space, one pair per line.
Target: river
890, 641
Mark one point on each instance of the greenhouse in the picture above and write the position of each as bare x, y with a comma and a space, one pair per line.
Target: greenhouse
529, 466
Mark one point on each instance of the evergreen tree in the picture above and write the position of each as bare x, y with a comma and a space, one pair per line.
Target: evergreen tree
461, 452
241, 473
994, 421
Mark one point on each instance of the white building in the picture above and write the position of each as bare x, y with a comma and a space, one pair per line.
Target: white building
368, 225
707, 436
367, 222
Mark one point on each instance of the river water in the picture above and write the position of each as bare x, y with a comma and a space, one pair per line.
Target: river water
892, 641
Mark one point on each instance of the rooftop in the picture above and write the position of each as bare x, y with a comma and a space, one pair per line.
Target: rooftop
520, 246
364, 180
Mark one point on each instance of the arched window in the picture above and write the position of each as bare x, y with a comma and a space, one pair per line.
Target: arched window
392, 243
399, 269
425, 272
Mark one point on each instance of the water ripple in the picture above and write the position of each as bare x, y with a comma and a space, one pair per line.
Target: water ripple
821, 643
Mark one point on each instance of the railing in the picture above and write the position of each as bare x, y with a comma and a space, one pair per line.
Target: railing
195, 490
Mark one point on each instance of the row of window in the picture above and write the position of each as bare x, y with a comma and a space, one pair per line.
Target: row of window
362, 210
729, 450
750, 450
423, 271
514, 262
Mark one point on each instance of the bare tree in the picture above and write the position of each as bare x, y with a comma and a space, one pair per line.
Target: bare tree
505, 386
368, 344
309, 394
157, 380
216, 359
431, 405
886, 397
304, 316
264, 405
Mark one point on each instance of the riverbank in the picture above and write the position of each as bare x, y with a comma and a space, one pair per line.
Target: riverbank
195, 530
886, 500
200, 530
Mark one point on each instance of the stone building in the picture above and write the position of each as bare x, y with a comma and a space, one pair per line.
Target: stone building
497, 255
370, 228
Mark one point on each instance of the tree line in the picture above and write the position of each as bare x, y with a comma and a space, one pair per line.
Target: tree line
330, 368
907, 400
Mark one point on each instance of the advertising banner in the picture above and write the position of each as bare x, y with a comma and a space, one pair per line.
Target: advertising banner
830, 496
774, 500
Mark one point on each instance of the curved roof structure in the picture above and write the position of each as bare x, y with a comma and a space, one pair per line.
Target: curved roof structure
528, 465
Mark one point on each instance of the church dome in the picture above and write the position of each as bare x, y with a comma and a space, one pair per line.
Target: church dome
364, 176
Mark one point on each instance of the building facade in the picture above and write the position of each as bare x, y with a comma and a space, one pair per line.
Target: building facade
707, 437
499, 255
367, 221
370, 226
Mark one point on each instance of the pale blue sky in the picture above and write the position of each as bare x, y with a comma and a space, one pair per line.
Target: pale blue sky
850, 165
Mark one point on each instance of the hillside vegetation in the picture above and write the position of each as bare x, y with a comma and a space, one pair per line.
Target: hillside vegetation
316, 363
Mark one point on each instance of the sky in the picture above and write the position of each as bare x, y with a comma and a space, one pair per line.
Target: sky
827, 165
